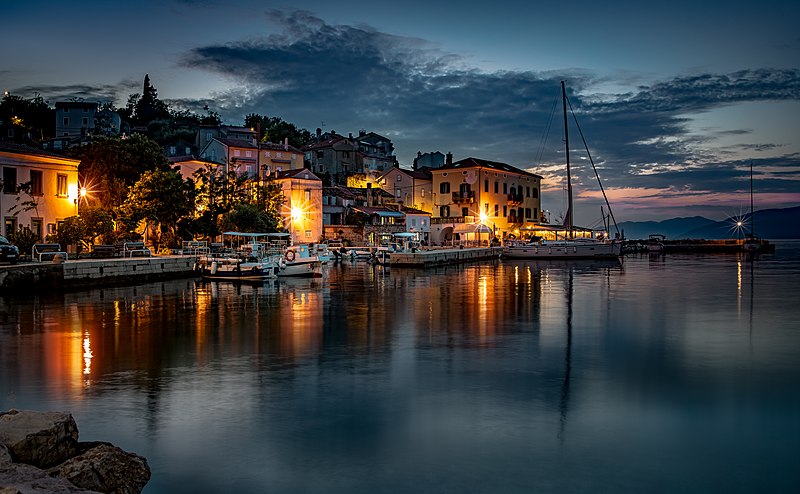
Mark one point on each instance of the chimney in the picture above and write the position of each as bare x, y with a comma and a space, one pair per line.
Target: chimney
319, 132
285, 143
449, 159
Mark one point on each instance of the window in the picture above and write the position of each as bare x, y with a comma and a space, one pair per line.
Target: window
505, 211
61, 185
505, 188
527, 191
397, 192
66, 121
464, 211
486, 185
527, 212
187, 150
308, 233
320, 155
496, 190
413, 222
66, 110
399, 178
11, 224
248, 154
307, 194
36, 182
535, 212
486, 208
36, 228
496, 209
9, 180
236, 152
209, 136
85, 110
85, 121
444, 211
444, 187
535, 192
172, 151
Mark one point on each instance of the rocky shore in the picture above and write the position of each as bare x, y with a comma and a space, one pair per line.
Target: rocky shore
40, 452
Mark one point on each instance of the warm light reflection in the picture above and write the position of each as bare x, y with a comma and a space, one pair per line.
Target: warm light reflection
87, 354
739, 284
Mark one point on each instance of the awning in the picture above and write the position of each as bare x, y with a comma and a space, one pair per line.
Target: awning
392, 214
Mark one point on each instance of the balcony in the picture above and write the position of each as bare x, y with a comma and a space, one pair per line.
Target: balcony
515, 220
466, 197
515, 199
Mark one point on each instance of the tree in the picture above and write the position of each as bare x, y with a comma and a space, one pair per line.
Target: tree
247, 218
70, 232
275, 129
110, 165
33, 116
149, 107
23, 238
160, 199
96, 222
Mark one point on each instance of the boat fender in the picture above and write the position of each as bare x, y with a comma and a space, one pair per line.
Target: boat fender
290, 255
214, 267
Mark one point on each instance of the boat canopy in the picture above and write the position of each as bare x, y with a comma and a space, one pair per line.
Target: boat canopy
405, 234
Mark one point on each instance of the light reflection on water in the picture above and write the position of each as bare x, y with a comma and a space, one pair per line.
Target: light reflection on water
665, 374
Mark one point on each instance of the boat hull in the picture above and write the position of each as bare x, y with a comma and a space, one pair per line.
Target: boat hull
302, 267
564, 250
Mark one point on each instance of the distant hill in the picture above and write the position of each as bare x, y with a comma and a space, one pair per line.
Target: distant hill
769, 224
672, 228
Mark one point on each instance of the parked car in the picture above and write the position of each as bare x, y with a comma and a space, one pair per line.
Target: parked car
8, 252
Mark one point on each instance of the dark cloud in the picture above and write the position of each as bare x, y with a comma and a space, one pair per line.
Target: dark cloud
98, 93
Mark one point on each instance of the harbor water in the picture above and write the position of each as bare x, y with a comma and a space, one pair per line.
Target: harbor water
677, 373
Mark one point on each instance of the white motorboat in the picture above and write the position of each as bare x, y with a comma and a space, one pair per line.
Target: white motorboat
298, 261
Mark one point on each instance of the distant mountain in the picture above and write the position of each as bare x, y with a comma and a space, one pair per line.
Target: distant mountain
672, 228
769, 224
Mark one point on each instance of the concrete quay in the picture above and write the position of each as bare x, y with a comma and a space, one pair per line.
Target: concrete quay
35, 276
441, 257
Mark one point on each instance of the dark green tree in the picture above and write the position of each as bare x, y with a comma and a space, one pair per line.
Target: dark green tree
247, 218
160, 198
275, 129
110, 165
30, 116
96, 222
149, 107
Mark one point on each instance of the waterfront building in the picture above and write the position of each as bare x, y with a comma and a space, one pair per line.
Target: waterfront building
236, 155
302, 209
52, 182
410, 188
474, 196
274, 157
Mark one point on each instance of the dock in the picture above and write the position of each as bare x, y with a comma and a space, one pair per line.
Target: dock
442, 257
35, 276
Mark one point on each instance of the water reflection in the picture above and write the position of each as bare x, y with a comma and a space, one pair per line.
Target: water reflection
497, 377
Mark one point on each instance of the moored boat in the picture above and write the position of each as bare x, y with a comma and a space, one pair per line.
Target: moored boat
298, 261
587, 246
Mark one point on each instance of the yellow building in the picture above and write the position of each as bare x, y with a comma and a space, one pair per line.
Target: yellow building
410, 188
474, 196
302, 209
53, 188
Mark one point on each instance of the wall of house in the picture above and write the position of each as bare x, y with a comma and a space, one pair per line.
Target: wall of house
53, 205
302, 209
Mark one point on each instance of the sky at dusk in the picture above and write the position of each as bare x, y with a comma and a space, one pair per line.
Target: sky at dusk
675, 99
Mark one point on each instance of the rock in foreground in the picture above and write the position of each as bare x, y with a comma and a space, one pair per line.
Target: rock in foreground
31, 441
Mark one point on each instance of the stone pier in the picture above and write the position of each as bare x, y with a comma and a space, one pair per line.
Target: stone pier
35, 276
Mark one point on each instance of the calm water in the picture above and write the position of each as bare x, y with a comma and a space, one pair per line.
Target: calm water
674, 374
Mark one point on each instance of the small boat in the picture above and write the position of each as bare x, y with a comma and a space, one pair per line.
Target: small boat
753, 244
655, 243
298, 261
248, 262
571, 247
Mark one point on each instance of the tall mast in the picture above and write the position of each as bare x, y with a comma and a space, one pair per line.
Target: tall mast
568, 220
752, 213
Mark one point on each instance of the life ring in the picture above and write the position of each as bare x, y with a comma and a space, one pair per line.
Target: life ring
290, 255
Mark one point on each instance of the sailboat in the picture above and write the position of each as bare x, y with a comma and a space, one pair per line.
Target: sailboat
753, 244
571, 247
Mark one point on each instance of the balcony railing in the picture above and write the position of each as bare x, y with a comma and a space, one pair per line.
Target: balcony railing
515, 199
467, 197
